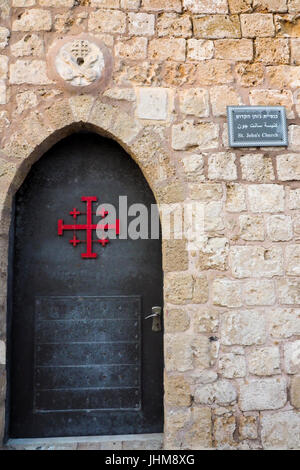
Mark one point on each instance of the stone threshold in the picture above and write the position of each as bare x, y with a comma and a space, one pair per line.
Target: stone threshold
120, 442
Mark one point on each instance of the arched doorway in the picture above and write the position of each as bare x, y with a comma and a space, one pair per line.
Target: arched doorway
82, 359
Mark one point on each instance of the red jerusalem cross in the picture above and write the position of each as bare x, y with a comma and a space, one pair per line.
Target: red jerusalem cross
89, 227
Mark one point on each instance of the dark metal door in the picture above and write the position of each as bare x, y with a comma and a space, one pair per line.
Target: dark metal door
83, 361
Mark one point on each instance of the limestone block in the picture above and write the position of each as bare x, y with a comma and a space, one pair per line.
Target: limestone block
33, 72
174, 25
193, 165
256, 167
235, 197
4, 36
273, 98
264, 361
270, 5
157, 5
31, 44
221, 392
178, 352
204, 352
293, 259
234, 49
280, 227
200, 292
294, 198
34, 19
214, 254
289, 291
260, 292
252, 227
194, 101
107, 21
175, 255
295, 51
272, 51
202, 6
223, 96
217, 27
200, 49
162, 49
178, 287
213, 72
206, 191
291, 353
131, 48
257, 25
280, 431
152, 103
295, 391
244, 328
189, 134
198, 435
284, 323
141, 24
130, 4
250, 74
232, 365
3, 67
256, 261
263, 394
176, 320
240, 6
248, 427
266, 197
288, 166
222, 166
286, 76
226, 293
177, 391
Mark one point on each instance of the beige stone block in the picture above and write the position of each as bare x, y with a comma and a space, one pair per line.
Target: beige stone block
292, 255
288, 166
221, 392
174, 25
232, 365
263, 394
224, 429
294, 136
260, 292
240, 6
213, 216
295, 391
234, 49
214, 72
264, 361
175, 255
178, 287
204, 352
202, 6
121, 94
222, 166
178, 352
284, 323
189, 134
272, 51
132, 48
245, 327
3, 67
294, 6
226, 293
100, 3
291, 352
32, 72
176, 320
266, 197
273, 98
280, 227
295, 51
59, 114
248, 427
280, 431
177, 391
200, 292
166, 5
287, 25
250, 75
193, 165
207, 192
283, 76
294, 198
200, 49
251, 227
289, 291
167, 49
81, 106
23, 3
141, 24
206, 321
214, 254
4, 36
107, 21
31, 44
176, 422
130, 4
256, 261
198, 435
257, 167
270, 5
257, 25
62, 3
34, 19
217, 27
152, 103
222, 96
194, 101
235, 197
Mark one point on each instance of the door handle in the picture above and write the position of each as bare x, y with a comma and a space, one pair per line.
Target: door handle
156, 318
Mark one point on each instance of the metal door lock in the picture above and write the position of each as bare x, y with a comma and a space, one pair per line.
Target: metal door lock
156, 318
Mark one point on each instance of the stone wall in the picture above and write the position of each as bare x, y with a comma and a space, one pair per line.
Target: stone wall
232, 316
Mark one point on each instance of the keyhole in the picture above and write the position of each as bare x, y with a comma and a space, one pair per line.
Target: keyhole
80, 60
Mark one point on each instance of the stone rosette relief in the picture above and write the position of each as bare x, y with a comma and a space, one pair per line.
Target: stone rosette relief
80, 62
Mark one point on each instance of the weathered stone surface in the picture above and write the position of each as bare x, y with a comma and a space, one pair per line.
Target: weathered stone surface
178, 352
164, 48
221, 392
194, 101
270, 5
226, 293
177, 391
252, 227
175, 255
264, 361
202, 6
244, 328
250, 74
107, 21
272, 51
294, 136
206, 321
232, 365
294, 198
266, 197
4, 36
295, 51
189, 134
172, 24
291, 353
152, 103
287, 25
178, 287
141, 24
3, 67
81, 106
257, 167
33, 72
217, 27
204, 352
280, 227
33, 20
283, 76
289, 291
223, 96
132, 48
176, 320
284, 323
273, 98
240, 6
295, 391
293, 259
288, 167
200, 293
224, 428
235, 197
198, 435
206, 191
222, 166
31, 44
263, 394
280, 430
260, 292
63, 3
248, 427
199, 49
214, 254
156, 5
234, 49
257, 25
193, 165
256, 261
130, 4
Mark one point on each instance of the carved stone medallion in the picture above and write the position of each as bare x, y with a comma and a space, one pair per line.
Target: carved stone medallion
80, 62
